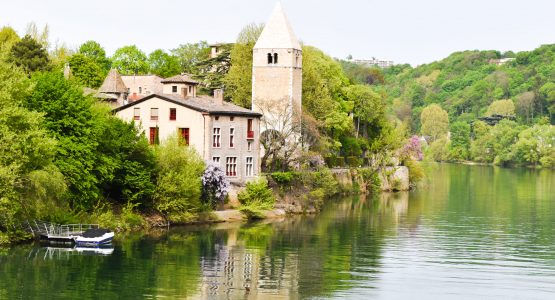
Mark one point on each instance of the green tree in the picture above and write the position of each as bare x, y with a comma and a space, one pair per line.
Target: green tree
179, 185
30, 184
190, 55
86, 71
163, 64
130, 60
42, 37
548, 92
501, 107
29, 55
8, 37
238, 81
435, 121
460, 141
95, 52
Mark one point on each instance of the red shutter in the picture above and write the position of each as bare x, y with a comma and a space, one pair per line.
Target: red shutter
173, 114
152, 135
185, 135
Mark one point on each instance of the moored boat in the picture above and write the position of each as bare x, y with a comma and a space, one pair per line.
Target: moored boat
95, 237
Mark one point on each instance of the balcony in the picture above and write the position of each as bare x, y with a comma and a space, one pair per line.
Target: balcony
250, 135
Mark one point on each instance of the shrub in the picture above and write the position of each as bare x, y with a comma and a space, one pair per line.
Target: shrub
416, 172
215, 186
371, 179
321, 179
354, 161
284, 178
179, 183
255, 198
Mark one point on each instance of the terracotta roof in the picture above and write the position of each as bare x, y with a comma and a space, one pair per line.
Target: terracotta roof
202, 104
113, 83
183, 78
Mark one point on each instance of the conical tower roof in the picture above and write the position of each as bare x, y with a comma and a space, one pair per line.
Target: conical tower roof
278, 33
113, 83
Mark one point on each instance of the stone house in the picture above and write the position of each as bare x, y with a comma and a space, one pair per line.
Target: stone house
113, 90
139, 86
219, 131
182, 85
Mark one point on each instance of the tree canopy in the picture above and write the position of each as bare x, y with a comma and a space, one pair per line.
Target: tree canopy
130, 60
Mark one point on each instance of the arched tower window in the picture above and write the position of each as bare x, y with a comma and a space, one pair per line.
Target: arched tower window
270, 58
275, 58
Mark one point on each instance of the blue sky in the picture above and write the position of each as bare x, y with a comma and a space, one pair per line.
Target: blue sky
405, 31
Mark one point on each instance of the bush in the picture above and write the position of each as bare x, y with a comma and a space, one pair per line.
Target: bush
321, 179
284, 178
416, 172
255, 198
354, 161
215, 186
371, 179
179, 183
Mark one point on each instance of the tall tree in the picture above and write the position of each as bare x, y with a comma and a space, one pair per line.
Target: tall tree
190, 55
86, 71
42, 37
435, 121
163, 64
238, 81
30, 55
94, 51
130, 60
29, 182
501, 107
8, 37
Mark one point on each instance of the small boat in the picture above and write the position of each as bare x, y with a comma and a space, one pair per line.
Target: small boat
94, 237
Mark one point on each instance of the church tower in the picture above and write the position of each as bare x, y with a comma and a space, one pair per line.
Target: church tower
277, 74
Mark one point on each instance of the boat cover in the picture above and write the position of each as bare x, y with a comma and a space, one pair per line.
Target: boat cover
93, 233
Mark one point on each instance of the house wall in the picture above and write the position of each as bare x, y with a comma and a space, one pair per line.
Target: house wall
201, 133
149, 84
167, 89
240, 149
185, 118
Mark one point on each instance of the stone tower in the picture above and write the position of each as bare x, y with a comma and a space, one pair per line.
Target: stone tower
277, 74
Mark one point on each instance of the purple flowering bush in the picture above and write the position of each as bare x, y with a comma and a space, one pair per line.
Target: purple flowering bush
412, 149
215, 186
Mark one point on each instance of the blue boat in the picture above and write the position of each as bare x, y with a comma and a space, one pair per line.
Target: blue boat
95, 237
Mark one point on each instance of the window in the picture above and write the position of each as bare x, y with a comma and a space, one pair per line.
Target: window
154, 114
216, 118
249, 146
216, 138
140, 90
190, 89
184, 136
231, 119
249, 167
270, 60
137, 113
128, 90
231, 137
216, 160
275, 58
231, 166
173, 114
153, 136
250, 132
174, 88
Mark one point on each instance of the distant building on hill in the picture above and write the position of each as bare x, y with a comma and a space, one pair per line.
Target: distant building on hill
374, 62
500, 61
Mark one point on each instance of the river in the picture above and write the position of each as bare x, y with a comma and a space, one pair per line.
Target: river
468, 232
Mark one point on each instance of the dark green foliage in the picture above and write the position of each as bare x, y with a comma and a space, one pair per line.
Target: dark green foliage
29, 55
86, 71
163, 64
460, 141
190, 55
212, 71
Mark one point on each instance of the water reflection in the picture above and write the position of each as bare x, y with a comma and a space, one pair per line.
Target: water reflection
477, 232
64, 252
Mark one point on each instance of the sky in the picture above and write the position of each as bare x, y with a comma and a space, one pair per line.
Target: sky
404, 31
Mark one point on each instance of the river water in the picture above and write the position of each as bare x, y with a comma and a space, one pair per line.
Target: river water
469, 232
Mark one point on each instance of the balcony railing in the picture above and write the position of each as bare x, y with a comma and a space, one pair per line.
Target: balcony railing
250, 134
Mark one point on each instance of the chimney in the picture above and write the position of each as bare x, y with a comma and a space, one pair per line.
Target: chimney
219, 96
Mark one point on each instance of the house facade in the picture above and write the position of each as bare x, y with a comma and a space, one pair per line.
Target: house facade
139, 86
221, 132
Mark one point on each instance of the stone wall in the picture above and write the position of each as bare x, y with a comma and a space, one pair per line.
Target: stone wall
392, 179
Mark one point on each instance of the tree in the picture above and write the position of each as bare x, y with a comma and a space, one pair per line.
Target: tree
435, 121
130, 60
163, 64
460, 141
548, 92
179, 185
29, 183
95, 52
29, 55
238, 81
8, 37
41, 37
190, 55
369, 107
525, 105
86, 71
501, 107
212, 71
